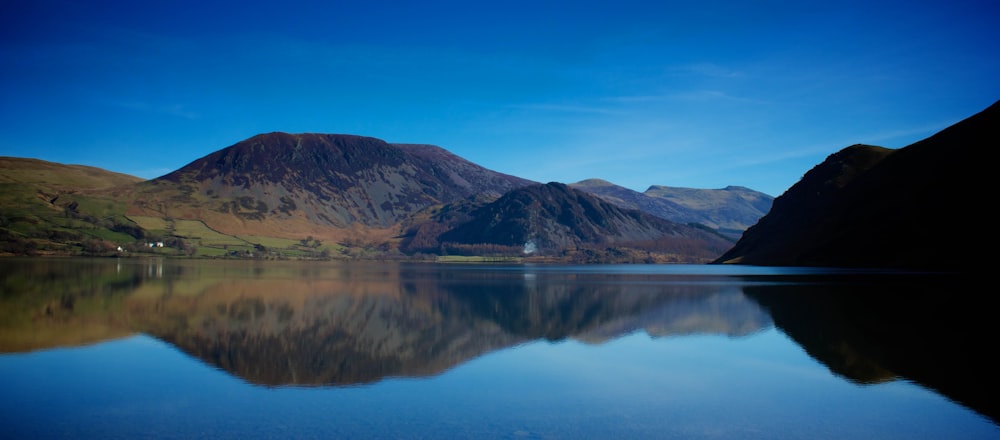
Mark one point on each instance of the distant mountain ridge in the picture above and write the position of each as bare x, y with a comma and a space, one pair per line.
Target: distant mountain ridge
730, 210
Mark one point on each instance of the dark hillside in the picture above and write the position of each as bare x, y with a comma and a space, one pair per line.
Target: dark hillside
554, 217
867, 206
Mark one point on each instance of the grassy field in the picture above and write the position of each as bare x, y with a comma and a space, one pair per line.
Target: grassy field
195, 230
192, 231
54, 209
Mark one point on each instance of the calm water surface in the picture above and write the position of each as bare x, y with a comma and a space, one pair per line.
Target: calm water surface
203, 349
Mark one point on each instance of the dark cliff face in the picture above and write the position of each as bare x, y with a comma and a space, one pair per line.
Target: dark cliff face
554, 216
867, 206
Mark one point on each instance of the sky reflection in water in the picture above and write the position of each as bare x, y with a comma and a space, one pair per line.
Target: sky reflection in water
758, 386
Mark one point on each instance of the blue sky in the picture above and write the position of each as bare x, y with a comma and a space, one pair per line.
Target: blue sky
692, 94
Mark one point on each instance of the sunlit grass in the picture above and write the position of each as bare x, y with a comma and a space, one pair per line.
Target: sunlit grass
150, 223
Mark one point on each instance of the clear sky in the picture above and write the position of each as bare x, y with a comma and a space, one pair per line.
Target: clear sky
698, 94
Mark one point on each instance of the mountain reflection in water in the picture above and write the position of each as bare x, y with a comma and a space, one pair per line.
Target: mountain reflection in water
330, 324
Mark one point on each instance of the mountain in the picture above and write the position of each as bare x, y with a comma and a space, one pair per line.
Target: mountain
555, 217
59, 177
730, 210
868, 206
44, 204
320, 183
310, 195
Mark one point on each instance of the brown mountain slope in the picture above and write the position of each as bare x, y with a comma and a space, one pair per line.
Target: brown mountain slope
867, 206
52, 208
59, 176
290, 185
472, 179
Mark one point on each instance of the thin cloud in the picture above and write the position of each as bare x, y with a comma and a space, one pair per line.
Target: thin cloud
710, 70
636, 98
780, 156
565, 108
710, 95
907, 133
175, 110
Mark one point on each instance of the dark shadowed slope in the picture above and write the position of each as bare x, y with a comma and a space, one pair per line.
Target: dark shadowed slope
555, 217
865, 206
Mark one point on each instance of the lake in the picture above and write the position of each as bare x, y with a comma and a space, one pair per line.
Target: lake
161, 348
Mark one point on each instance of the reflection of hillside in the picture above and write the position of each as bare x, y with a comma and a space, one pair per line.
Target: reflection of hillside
361, 326
317, 334
555, 306
63, 302
933, 330
328, 324
724, 313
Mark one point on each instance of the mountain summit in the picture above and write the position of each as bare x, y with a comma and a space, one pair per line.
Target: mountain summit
317, 180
